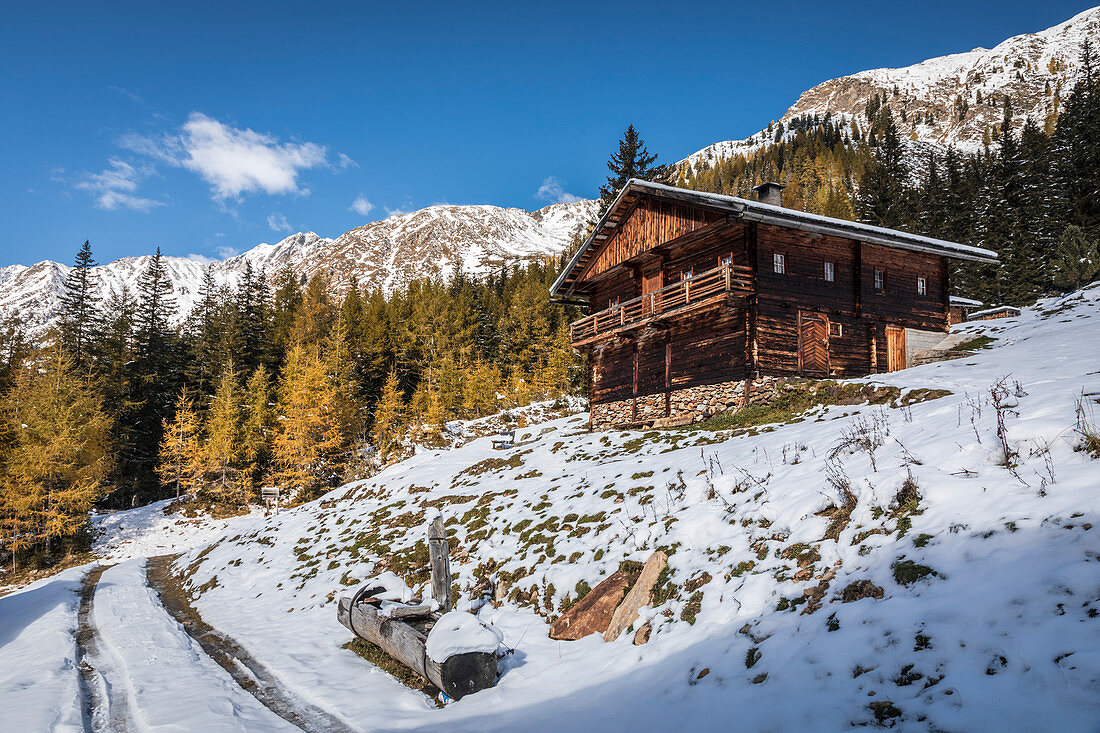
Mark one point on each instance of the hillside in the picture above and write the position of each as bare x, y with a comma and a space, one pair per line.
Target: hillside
955, 100
861, 563
384, 254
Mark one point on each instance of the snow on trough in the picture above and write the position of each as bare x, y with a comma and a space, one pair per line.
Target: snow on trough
459, 632
983, 592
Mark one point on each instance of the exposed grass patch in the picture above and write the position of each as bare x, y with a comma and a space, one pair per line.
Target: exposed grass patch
795, 398
692, 607
400, 672
974, 344
907, 572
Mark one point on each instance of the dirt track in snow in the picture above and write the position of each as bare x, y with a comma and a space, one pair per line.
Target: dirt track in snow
246, 670
103, 711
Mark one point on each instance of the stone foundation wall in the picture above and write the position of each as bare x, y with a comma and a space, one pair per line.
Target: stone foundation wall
687, 405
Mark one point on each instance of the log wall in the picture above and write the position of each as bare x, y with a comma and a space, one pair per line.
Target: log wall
651, 223
759, 335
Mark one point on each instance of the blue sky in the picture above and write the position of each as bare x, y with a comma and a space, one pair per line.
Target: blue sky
206, 128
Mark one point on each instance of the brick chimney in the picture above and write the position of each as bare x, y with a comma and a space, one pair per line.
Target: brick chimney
770, 193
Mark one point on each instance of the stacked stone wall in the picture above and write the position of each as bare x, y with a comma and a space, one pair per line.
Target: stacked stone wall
687, 405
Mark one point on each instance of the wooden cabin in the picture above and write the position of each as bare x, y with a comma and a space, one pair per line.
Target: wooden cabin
1001, 311
959, 309
697, 303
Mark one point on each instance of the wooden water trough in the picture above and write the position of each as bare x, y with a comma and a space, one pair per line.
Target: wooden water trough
402, 632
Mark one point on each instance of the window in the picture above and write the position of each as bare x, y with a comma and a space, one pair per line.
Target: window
725, 260
880, 279
613, 303
686, 274
830, 272
922, 286
779, 263
836, 330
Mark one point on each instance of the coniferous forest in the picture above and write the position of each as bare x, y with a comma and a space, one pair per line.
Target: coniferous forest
286, 381
274, 381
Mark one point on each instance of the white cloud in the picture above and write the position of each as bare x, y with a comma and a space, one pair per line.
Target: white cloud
201, 259
361, 206
226, 252
395, 212
553, 190
278, 223
114, 186
235, 161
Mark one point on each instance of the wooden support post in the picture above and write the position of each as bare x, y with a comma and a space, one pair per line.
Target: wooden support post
668, 374
441, 566
634, 403
858, 257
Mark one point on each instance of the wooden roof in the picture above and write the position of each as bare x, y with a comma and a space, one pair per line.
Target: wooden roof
737, 208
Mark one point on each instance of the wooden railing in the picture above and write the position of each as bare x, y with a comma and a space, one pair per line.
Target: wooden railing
721, 280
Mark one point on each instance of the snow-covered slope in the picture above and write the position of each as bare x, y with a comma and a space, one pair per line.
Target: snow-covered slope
1034, 70
980, 583
384, 254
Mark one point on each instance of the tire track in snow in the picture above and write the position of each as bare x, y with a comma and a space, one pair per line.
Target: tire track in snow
246, 670
102, 711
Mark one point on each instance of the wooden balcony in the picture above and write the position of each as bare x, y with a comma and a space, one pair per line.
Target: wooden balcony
707, 287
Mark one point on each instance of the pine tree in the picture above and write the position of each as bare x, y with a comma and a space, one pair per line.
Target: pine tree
181, 463
632, 160
78, 314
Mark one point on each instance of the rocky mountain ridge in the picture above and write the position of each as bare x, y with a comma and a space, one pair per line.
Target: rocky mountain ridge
955, 100
384, 254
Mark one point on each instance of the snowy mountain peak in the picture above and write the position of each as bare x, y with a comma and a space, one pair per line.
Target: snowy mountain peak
382, 254
955, 100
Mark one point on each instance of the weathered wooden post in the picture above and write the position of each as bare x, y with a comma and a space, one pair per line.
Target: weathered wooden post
438, 553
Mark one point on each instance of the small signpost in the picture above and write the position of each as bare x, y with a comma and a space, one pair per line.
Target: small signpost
270, 497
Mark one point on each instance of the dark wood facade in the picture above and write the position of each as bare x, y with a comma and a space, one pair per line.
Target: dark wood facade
682, 295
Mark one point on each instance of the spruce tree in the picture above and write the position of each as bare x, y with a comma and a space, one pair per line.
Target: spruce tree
1076, 259
883, 192
632, 160
79, 315
153, 378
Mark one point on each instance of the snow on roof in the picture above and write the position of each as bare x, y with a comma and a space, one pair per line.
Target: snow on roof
999, 309
964, 302
782, 216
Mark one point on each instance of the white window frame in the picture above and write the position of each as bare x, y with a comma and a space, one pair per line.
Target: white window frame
779, 263
880, 279
922, 286
830, 272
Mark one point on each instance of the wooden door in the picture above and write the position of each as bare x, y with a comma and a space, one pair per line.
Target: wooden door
652, 281
895, 348
813, 344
